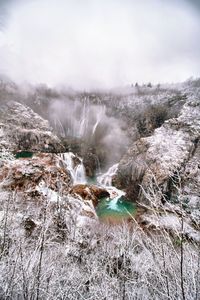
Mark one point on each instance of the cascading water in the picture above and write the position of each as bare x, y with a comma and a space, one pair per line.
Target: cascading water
116, 208
83, 125
59, 127
99, 116
80, 176
113, 209
106, 178
77, 171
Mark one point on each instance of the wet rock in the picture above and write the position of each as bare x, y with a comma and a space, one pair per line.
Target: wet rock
90, 192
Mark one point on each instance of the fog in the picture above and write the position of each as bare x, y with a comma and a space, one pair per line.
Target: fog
91, 124
99, 44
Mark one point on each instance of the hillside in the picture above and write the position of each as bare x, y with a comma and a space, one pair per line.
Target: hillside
135, 151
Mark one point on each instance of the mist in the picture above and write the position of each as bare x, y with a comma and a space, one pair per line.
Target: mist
92, 126
99, 44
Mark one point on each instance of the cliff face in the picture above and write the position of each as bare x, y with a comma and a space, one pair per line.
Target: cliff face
166, 164
23, 129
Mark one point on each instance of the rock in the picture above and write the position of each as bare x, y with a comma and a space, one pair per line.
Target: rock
90, 192
161, 162
22, 129
91, 162
29, 225
25, 174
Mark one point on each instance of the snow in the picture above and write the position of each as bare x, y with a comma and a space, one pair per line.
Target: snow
172, 222
51, 195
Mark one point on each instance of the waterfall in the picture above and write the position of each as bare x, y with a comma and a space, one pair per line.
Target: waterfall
59, 127
100, 114
77, 171
106, 178
95, 126
84, 119
68, 159
116, 195
80, 176
98, 166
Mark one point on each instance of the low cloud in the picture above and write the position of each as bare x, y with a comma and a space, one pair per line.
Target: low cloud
99, 44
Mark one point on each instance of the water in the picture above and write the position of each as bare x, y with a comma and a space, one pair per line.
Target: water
77, 171
83, 119
113, 209
83, 125
99, 116
24, 154
59, 127
106, 178
80, 176
117, 208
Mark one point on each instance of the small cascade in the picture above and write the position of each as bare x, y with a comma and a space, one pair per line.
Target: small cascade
77, 171
106, 178
115, 208
68, 159
115, 195
80, 176
112, 209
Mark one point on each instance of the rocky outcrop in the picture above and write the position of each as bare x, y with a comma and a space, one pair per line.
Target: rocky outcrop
90, 192
91, 163
162, 174
22, 129
31, 175
162, 162
32, 189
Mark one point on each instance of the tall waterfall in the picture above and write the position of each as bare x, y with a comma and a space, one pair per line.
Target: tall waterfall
84, 119
99, 116
106, 178
77, 171
78, 118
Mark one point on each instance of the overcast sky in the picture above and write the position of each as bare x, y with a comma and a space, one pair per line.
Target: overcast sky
99, 43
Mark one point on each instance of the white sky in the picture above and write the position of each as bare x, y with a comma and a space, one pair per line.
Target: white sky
100, 43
